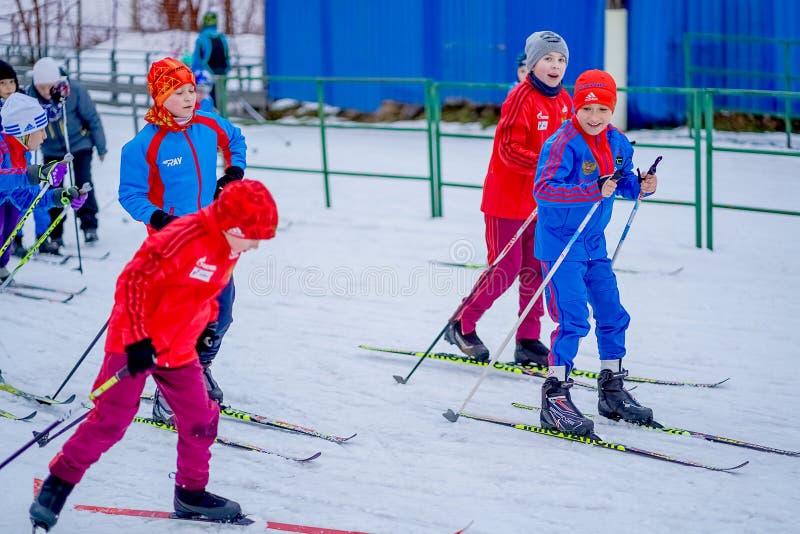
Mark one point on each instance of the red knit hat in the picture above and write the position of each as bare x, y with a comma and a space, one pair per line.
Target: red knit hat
165, 76
595, 87
245, 208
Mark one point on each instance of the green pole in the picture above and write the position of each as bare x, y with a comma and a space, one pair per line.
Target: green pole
709, 118
437, 113
429, 99
323, 143
787, 102
697, 123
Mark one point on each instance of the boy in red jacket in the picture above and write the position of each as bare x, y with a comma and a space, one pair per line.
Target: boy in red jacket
532, 111
165, 297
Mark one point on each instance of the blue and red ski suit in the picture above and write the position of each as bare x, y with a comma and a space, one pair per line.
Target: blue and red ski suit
565, 189
177, 172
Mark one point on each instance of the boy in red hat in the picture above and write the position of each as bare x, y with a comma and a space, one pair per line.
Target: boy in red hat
573, 174
165, 297
170, 169
532, 111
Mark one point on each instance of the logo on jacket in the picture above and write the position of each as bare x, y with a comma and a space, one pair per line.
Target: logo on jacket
588, 167
542, 116
171, 162
618, 160
203, 271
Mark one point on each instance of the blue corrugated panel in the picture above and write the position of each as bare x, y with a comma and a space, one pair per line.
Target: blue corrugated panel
656, 58
449, 40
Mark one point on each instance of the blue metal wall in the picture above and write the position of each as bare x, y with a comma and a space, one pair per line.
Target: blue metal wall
656, 58
449, 40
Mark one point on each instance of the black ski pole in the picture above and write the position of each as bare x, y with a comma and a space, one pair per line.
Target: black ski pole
42, 438
38, 436
80, 360
79, 268
25, 447
483, 277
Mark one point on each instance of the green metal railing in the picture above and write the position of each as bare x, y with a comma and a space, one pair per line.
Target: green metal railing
701, 142
789, 73
708, 110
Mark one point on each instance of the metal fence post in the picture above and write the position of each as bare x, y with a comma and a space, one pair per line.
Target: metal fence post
114, 94
697, 127
433, 156
323, 142
709, 119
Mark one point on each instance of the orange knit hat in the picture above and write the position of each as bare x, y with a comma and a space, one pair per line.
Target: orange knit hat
165, 76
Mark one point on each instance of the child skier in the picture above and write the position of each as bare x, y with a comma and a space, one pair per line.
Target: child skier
170, 169
23, 122
586, 162
165, 297
205, 84
532, 111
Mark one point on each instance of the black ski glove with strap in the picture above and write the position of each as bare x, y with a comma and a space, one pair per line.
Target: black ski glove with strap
232, 174
159, 219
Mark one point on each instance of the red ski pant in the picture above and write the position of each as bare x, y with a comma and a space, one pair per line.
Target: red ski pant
196, 418
519, 261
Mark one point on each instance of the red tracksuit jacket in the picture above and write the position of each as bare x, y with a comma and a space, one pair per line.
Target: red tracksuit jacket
527, 119
168, 291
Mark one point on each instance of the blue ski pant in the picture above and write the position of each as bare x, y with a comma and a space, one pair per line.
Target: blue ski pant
224, 319
574, 286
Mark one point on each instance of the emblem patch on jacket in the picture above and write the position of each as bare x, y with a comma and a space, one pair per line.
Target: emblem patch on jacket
618, 160
588, 167
203, 271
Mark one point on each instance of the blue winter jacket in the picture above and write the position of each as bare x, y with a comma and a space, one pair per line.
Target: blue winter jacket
202, 50
83, 121
566, 188
177, 171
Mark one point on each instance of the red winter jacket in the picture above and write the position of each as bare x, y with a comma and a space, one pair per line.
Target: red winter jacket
527, 119
168, 291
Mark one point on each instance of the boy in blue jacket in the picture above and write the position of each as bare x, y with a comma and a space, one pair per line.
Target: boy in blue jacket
572, 175
170, 169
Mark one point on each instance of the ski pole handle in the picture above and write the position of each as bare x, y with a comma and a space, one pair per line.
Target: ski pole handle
108, 384
651, 170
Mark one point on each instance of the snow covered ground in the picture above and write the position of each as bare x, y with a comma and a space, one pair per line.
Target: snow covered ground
360, 273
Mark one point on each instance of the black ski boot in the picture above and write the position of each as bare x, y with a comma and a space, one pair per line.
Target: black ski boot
50, 246
470, 344
531, 352
19, 249
202, 503
214, 391
616, 403
48, 504
161, 410
558, 412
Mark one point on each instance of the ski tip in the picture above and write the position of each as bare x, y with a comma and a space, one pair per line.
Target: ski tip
399, 379
312, 457
29, 416
720, 382
450, 415
736, 466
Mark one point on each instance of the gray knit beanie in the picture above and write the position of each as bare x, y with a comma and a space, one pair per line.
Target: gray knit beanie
539, 44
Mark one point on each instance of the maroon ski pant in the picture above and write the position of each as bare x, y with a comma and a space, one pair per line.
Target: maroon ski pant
196, 418
519, 261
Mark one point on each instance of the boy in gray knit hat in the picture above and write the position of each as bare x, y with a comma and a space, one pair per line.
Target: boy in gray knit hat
539, 44
533, 110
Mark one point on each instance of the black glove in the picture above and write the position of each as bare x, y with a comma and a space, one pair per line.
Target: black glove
59, 92
232, 174
602, 180
159, 219
141, 356
207, 338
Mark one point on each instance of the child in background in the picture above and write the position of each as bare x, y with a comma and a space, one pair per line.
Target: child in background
573, 174
165, 297
23, 122
9, 84
532, 111
205, 83
170, 169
